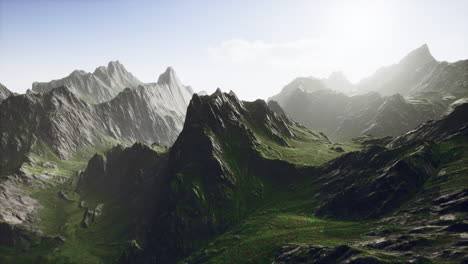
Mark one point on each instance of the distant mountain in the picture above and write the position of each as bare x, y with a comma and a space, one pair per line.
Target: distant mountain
60, 120
338, 81
415, 90
402, 77
343, 117
420, 75
4, 92
100, 86
304, 84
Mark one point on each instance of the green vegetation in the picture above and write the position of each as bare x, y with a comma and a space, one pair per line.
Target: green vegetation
43, 154
258, 238
307, 149
454, 154
102, 242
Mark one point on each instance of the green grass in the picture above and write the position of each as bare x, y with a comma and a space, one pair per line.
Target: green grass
308, 149
454, 154
65, 168
102, 242
258, 238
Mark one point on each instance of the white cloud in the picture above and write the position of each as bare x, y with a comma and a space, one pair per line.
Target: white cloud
282, 54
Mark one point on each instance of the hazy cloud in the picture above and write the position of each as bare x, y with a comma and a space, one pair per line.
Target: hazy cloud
275, 53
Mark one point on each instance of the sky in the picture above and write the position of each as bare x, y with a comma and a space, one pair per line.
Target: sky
251, 47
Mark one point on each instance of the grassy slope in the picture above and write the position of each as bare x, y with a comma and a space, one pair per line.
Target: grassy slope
308, 149
288, 217
284, 215
101, 243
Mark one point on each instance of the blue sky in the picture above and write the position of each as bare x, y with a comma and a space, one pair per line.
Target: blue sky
251, 47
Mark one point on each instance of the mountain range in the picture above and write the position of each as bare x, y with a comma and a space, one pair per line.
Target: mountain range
393, 101
100, 86
101, 168
61, 122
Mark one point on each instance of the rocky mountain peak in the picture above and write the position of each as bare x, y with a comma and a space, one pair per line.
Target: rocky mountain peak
99, 86
4, 92
221, 111
169, 77
419, 56
75, 73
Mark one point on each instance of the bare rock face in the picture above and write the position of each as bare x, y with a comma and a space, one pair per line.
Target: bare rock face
296, 254
63, 122
4, 92
97, 87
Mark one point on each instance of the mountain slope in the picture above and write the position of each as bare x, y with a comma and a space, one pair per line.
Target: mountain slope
243, 184
97, 87
404, 204
222, 166
60, 121
4, 92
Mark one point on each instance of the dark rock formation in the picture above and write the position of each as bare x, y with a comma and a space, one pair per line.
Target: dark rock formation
13, 235
377, 180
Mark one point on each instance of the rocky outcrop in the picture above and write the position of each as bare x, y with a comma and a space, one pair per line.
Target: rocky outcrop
97, 87
60, 121
454, 124
4, 92
378, 180
375, 181
119, 171
310, 254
